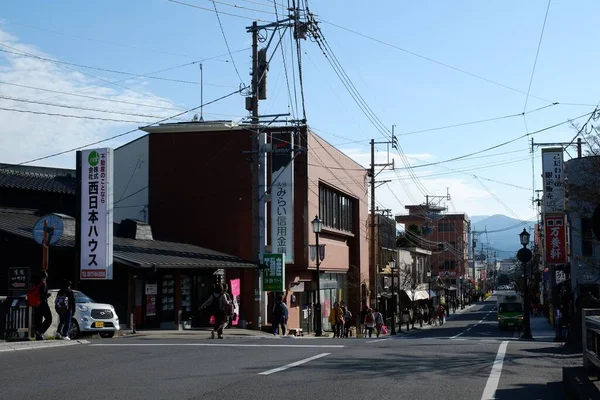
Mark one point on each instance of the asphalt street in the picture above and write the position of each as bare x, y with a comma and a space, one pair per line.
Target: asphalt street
466, 358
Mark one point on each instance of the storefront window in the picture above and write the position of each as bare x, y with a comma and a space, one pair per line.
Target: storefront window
168, 298
333, 288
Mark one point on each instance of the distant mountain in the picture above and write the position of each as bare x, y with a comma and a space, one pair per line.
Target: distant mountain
502, 234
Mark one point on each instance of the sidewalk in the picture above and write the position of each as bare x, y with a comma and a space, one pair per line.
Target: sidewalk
541, 330
38, 344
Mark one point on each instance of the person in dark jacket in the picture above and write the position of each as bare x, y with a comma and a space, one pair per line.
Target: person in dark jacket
42, 315
280, 316
65, 307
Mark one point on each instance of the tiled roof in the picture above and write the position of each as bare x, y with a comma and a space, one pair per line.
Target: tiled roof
37, 178
137, 253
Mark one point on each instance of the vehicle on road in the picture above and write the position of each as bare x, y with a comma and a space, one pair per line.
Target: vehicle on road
510, 314
92, 317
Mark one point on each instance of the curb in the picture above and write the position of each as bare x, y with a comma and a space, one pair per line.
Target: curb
40, 345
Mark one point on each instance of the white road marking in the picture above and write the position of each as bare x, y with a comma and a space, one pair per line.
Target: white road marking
310, 346
489, 393
378, 340
294, 364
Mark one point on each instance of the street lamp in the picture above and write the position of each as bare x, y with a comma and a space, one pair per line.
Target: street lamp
317, 226
392, 264
524, 255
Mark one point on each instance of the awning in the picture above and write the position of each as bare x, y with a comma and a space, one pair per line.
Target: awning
418, 295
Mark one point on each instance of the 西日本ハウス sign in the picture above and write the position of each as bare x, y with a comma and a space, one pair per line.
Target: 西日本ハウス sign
556, 239
282, 195
96, 234
274, 274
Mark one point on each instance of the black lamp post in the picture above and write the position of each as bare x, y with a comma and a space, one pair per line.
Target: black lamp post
392, 264
524, 255
317, 226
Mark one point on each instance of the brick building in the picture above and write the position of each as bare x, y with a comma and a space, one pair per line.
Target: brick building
193, 183
445, 235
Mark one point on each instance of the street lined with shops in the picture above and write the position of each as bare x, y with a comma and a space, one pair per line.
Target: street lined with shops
454, 360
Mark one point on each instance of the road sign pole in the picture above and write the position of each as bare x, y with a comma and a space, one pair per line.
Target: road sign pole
45, 247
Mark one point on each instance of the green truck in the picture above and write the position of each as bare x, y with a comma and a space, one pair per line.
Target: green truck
510, 310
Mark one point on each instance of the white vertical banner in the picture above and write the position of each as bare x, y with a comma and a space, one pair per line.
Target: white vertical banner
282, 195
553, 175
96, 250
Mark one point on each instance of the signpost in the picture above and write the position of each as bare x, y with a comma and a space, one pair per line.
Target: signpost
274, 275
47, 231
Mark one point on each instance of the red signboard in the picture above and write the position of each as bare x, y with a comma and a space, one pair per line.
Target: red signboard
556, 239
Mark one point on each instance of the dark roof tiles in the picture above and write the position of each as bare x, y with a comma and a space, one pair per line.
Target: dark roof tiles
37, 178
138, 253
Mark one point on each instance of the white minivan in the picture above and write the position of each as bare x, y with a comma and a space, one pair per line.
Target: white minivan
91, 317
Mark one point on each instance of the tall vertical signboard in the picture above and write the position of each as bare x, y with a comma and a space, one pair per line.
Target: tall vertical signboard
553, 174
96, 232
555, 236
282, 195
274, 275
555, 232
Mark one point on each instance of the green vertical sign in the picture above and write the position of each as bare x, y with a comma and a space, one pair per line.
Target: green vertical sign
274, 274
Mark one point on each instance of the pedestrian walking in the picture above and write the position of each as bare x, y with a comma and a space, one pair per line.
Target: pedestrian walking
369, 322
218, 304
37, 298
361, 322
280, 316
64, 304
378, 322
347, 320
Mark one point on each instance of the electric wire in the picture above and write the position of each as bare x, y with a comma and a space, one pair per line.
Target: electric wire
127, 132
226, 42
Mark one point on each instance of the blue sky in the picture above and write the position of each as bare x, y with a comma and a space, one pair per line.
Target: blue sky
495, 40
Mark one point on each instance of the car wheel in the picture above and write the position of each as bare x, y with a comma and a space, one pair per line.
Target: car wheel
74, 332
107, 335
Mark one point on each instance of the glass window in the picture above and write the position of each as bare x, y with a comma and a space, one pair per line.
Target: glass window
336, 209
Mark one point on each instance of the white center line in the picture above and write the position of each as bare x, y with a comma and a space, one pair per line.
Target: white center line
489, 393
294, 364
310, 346
378, 340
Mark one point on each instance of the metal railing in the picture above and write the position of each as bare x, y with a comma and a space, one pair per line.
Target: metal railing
591, 337
17, 322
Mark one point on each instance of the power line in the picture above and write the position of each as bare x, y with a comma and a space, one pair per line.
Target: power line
223, 13
93, 76
76, 107
97, 40
241, 7
113, 71
537, 53
476, 122
226, 42
129, 131
432, 60
68, 115
500, 144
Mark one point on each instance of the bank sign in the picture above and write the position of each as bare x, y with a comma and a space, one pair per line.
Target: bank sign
282, 195
274, 274
96, 234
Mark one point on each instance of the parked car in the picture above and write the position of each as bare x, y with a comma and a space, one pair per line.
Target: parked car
92, 317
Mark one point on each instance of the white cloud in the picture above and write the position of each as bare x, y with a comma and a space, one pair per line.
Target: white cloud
382, 157
27, 136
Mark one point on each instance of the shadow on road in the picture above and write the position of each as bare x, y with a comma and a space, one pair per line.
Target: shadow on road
548, 391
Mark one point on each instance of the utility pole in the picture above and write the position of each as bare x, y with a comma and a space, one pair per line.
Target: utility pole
258, 180
372, 175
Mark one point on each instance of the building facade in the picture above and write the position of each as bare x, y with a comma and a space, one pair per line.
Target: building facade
193, 183
444, 234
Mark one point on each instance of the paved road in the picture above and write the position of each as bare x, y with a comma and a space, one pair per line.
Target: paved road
455, 361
